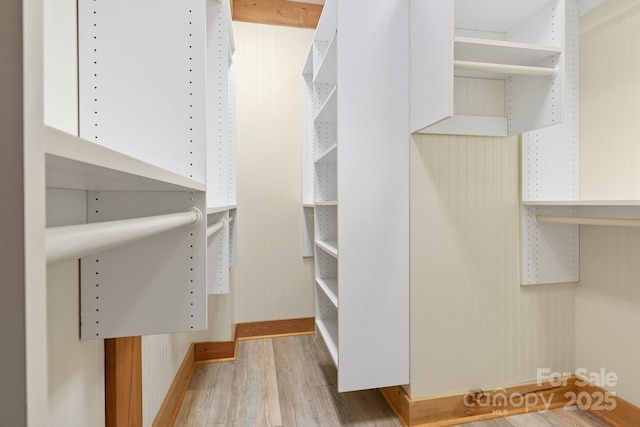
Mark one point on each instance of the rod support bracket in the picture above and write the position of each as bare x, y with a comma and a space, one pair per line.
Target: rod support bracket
198, 215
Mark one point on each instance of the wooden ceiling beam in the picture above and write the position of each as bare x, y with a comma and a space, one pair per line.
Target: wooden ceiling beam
277, 12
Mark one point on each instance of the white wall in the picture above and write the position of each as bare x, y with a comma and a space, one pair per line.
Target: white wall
472, 325
271, 279
608, 296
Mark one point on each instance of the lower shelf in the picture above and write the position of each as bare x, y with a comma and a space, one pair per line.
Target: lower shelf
328, 329
330, 289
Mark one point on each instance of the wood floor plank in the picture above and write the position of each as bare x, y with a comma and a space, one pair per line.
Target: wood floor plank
291, 382
263, 406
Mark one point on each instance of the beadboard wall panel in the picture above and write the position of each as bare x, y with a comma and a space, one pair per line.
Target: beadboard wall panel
608, 296
271, 279
76, 368
467, 308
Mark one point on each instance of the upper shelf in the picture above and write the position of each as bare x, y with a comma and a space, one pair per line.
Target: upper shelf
328, 70
74, 163
329, 110
502, 52
330, 155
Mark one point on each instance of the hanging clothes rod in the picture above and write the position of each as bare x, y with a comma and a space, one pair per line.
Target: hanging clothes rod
507, 69
617, 222
76, 241
215, 227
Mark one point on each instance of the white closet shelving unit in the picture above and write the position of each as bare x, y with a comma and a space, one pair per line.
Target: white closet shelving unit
356, 189
221, 147
551, 207
515, 46
139, 151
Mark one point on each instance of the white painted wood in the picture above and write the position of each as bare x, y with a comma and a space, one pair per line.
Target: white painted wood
499, 51
328, 330
328, 21
61, 65
470, 125
326, 182
550, 170
213, 210
328, 70
26, 49
373, 194
218, 110
329, 246
550, 252
123, 59
329, 155
76, 163
431, 76
583, 203
495, 15
330, 288
156, 285
526, 55
328, 111
218, 247
308, 235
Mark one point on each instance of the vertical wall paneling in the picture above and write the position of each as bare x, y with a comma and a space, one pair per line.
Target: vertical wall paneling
272, 279
550, 171
154, 285
464, 273
608, 296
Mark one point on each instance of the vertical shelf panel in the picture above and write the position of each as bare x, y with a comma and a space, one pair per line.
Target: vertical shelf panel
152, 286
373, 189
218, 248
431, 63
124, 57
218, 111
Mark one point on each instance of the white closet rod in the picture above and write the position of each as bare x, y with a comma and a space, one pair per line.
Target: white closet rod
215, 227
76, 241
618, 222
506, 68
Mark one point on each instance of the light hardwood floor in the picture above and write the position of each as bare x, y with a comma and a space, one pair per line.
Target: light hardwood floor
291, 382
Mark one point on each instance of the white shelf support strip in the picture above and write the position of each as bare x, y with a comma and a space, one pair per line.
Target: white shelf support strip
507, 69
77, 241
616, 222
215, 227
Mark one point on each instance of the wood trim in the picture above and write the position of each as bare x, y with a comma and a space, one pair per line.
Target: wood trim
123, 381
277, 12
622, 415
220, 351
275, 328
479, 405
173, 400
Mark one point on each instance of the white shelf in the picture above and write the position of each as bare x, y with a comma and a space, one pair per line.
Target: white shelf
219, 209
329, 246
502, 52
330, 289
74, 163
308, 205
328, 70
328, 21
330, 155
329, 110
327, 203
307, 68
328, 328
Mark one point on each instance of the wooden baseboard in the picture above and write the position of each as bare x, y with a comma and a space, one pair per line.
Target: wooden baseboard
173, 400
606, 405
219, 351
477, 406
